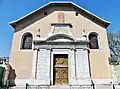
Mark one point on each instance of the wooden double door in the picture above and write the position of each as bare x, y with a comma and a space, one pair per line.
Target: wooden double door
60, 69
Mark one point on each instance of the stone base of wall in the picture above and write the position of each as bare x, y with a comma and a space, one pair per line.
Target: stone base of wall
23, 82
45, 84
103, 86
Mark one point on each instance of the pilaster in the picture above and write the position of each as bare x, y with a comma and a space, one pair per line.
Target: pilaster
43, 66
82, 67
72, 66
34, 63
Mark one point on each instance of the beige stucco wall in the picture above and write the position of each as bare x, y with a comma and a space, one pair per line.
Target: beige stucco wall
21, 60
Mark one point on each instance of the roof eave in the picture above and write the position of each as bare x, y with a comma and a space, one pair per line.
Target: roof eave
13, 23
107, 24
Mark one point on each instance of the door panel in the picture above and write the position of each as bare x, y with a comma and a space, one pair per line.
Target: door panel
61, 61
64, 75
57, 76
61, 75
61, 69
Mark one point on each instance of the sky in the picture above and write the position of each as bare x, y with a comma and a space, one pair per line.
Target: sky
11, 10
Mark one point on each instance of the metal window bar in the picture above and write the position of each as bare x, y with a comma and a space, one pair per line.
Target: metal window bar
37, 86
81, 87
75, 87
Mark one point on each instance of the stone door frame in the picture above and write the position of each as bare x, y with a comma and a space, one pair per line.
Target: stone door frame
52, 62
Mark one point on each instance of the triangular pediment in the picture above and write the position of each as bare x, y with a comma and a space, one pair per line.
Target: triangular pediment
32, 17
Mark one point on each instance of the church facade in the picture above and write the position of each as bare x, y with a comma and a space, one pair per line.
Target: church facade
61, 44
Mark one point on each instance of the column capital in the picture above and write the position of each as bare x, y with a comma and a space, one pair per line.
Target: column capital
36, 49
49, 49
74, 49
87, 49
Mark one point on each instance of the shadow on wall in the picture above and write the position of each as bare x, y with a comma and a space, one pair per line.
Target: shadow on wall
12, 76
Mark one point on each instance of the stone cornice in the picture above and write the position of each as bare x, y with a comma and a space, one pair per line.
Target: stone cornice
64, 24
78, 42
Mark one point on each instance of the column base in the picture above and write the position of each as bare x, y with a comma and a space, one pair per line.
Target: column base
80, 81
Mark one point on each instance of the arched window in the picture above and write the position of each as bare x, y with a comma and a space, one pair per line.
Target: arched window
26, 41
93, 38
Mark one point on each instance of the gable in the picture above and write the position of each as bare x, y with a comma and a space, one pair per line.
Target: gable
58, 6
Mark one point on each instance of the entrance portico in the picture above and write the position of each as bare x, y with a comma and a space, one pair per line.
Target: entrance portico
74, 68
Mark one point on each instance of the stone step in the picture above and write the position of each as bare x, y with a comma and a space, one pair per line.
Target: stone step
117, 86
60, 87
18, 87
42, 87
65, 87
